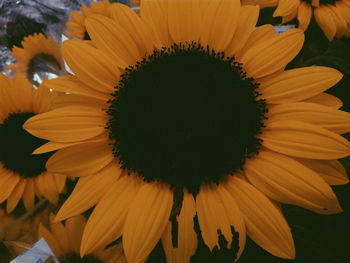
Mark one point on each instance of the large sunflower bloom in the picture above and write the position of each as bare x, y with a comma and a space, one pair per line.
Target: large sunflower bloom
22, 174
37, 53
76, 24
185, 119
332, 16
64, 240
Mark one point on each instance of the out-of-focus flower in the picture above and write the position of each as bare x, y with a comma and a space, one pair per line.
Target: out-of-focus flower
22, 174
65, 241
76, 24
38, 54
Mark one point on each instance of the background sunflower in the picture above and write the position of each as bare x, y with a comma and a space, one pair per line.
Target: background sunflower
23, 175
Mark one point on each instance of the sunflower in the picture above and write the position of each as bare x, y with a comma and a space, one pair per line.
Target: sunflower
65, 240
186, 126
76, 24
22, 174
332, 16
39, 53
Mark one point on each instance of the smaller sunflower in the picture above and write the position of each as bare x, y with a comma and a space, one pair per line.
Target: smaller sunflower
332, 16
76, 24
65, 241
22, 174
39, 53
9, 230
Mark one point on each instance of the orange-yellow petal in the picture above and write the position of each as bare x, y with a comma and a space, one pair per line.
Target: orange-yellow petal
88, 191
218, 214
298, 84
219, 23
265, 223
91, 65
113, 39
331, 119
286, 180
187, 238
272, 55
304, 140
332, 171
68, 124
247, 20
106, 223
146, 220
184, 20
81, 160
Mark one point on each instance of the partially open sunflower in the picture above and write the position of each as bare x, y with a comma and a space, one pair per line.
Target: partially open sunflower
187, 120
37, 53
332, 16
22, 174
76, 24
65, 240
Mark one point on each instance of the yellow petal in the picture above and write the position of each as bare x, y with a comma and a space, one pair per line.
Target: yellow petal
272, 55
47, 185
91, 66
332, 171
60, 234
54, 146
15, 196
331, 119
146, 220
111, 38
42, 97
304, 140
339, 21
298, 84
75, 227
265, 223
106, 223
50, 239
285, 180
63, 100
60, 181
247, 20
325, 21
304, 15
326, 100
184, 20
8, 182
155, 13
88, 192
81, 160
217, 211
258, 36
28, 195
286, 7
219, 23
22, 93
73, 85
187, 237
68, 124
133, 24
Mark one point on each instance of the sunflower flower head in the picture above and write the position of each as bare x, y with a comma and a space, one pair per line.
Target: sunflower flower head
38, 53
332, 16
186, 129
22, 174
76, 24
65, 239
